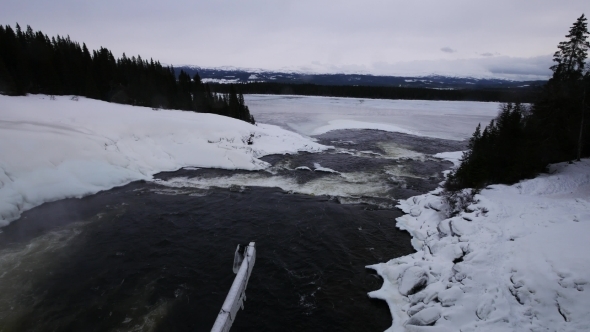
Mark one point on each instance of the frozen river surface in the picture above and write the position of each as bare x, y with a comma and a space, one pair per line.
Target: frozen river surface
307, 115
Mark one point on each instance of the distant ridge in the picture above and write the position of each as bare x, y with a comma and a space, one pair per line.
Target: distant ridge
246, 75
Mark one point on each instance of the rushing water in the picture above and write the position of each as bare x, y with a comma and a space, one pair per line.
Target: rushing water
157, 256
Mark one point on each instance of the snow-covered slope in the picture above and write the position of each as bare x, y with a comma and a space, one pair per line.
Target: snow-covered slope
54, 149
517, 260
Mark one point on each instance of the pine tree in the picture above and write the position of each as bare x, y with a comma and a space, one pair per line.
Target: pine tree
31, 62
571, 55
559, 116
521, 142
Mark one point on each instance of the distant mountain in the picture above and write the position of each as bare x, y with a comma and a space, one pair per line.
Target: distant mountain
236, 75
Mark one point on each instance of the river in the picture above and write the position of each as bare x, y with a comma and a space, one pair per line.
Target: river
157, 256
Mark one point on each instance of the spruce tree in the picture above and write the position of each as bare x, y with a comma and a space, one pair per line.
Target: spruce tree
31, 62
571, 55
558, 117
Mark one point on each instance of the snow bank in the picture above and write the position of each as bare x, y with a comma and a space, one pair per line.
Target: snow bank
54, 149
516, 260
454, 157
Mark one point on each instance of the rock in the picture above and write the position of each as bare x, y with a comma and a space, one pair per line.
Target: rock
425, 317
413, 280
415, 309
443, 228
448, 297
415, 212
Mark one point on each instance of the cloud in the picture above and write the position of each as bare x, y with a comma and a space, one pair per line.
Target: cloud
487, 54
294, 33
501, 67
517, 67
447, 49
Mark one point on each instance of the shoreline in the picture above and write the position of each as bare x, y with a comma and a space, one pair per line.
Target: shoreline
513, 260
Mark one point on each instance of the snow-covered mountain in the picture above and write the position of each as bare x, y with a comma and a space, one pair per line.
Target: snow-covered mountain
240, 75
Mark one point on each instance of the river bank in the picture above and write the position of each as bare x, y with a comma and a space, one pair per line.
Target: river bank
514, 260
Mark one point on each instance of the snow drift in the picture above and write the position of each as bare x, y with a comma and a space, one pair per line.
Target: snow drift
515, 260
55, 149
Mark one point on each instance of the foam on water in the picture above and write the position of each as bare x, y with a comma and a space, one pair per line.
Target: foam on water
22, 267
397, 151
398, 172
354, 184
149, 321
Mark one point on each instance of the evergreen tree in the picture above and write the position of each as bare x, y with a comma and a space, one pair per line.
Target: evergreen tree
571, 55
498, 155
31, 62
558, 117
520, 142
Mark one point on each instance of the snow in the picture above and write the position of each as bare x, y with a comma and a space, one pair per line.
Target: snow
351, 124
220, 80
454, 157
55, 149
310, 115
318, 168
515, 260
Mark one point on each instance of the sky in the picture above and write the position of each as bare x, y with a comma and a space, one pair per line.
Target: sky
512, 39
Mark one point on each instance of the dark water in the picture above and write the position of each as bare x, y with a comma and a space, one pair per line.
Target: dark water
148, 257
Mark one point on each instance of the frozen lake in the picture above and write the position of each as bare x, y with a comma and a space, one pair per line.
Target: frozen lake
310, 115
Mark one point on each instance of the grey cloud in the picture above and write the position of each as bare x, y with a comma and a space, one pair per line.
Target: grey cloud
487, 54
506, 66
370, 35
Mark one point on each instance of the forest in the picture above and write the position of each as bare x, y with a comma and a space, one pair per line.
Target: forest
31, 62
522, 95
524, 139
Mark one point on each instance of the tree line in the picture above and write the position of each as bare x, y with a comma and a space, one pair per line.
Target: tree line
522, 95
523, 139
31, 62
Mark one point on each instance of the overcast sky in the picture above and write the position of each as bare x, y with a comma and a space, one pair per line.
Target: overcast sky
497, 38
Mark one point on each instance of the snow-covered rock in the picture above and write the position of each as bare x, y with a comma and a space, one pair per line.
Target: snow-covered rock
516, 260
414, 279
425, 317
318, 168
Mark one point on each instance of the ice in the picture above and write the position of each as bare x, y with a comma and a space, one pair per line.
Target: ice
309, 115
55, 149
352, 124
515, 260
318, 168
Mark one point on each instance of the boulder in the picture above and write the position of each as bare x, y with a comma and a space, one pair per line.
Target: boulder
413, 280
